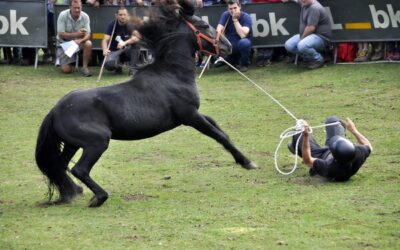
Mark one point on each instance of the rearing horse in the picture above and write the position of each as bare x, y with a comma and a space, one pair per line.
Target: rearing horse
161, 96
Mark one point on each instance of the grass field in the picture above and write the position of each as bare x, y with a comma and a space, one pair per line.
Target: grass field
181, 190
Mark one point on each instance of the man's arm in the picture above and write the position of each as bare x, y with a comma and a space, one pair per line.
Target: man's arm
135, 37
360, 138
308, 31
242, 31
104, 44
220, 28
306, 149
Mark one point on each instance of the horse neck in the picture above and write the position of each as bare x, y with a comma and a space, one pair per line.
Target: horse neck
181, 55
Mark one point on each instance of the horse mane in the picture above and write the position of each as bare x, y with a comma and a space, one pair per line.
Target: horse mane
159, 30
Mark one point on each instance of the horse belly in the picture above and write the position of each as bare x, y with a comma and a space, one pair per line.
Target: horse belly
137, 131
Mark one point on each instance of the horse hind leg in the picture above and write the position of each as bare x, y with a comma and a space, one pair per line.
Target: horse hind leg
68, 189
68, 152
206, 125
82, 170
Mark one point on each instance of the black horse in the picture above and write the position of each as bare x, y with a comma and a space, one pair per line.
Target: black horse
160, 97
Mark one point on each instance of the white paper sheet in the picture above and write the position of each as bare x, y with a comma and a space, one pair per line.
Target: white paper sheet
70, 48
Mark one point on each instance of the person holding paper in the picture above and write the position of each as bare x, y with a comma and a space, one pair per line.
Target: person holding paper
73, 25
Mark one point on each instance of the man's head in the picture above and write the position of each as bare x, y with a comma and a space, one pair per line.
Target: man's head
75, 7
343, 150
122, 16
307, 2
233, 7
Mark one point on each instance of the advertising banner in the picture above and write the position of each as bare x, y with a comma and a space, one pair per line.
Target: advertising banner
23, 23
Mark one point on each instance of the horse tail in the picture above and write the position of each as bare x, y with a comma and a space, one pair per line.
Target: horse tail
50, 162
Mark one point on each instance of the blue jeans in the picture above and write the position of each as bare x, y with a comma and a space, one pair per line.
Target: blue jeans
308, 48
241, 51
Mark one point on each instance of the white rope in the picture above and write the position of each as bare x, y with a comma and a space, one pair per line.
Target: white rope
205, 66
255, 84
288, 133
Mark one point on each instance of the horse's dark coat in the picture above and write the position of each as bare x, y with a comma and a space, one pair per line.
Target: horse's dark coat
160, 97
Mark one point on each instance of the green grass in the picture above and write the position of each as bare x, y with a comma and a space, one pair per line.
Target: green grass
209, 202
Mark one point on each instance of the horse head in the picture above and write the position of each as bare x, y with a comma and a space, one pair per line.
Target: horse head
209, 41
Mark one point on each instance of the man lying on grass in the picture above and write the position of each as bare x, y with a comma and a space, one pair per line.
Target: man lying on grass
339, 159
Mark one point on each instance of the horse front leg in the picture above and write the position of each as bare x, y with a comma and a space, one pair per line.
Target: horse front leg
207, 126
82, 169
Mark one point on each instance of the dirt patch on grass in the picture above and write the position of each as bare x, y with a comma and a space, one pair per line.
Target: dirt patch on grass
139, 197
307, 181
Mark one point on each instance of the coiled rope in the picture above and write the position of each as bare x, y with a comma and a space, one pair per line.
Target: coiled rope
287, 133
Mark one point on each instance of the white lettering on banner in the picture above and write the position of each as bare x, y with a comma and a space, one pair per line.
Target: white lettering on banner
382, 19
4, 25
335, 26
394, 17
14, 25
274, 26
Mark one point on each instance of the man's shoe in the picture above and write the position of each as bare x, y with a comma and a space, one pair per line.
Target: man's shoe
316, 64
85, 72
242, 68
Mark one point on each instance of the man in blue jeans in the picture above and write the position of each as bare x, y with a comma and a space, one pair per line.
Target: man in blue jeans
339, 159
314, 33
237, 27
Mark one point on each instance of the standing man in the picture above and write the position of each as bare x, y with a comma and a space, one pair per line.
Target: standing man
339, 159
237, 27
74, 25
121, 30
315, 32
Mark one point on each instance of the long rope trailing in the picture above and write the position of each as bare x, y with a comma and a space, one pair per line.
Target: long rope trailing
288, 133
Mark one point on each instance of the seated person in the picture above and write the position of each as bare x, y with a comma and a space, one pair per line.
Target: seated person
121, 30
314, 33
237, 27
74, 25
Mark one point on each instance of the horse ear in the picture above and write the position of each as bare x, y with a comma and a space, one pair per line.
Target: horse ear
187, 7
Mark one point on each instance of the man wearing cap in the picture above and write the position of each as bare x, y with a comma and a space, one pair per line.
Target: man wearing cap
339, 159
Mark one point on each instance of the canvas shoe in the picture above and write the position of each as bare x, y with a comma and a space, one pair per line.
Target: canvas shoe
316, 64
85, 72
378, 55
362, 56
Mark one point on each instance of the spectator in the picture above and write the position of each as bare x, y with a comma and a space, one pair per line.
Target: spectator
74, 25
315, 32
119, 31
339, 159
237, 25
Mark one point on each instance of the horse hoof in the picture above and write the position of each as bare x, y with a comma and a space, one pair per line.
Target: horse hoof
250, 165
61, 201
97, 201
